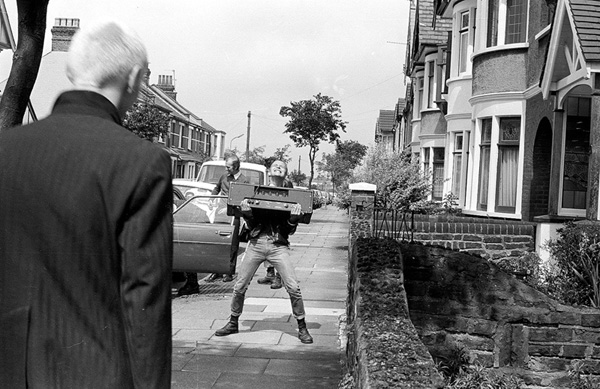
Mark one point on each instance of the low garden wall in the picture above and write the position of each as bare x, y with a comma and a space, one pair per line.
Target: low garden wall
489, 238
408, 302
384, 349
460, 299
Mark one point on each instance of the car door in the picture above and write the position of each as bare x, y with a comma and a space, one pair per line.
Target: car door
202, 234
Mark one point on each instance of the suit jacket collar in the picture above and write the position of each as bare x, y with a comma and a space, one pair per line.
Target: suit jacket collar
88, 103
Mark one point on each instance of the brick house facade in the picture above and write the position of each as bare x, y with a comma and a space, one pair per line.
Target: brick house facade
519, 112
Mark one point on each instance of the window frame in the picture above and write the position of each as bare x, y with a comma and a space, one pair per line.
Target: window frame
498, 23
430, 83
504, 145
485, 144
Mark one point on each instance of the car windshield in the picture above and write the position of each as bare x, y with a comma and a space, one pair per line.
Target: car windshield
203, 209
212, 173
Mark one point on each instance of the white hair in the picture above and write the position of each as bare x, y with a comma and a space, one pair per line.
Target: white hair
104, 54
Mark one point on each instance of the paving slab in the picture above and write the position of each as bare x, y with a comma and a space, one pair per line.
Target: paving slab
267, 353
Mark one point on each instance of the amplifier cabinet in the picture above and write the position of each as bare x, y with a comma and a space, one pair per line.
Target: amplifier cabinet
269, 197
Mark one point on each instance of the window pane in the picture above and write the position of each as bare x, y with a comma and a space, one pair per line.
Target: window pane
458, 143
464, 20
510, 129
486, 131
492, 28
464, 46
456, 168
507, 178
430, 84
438, 181
515, 21
484, 171
576, 156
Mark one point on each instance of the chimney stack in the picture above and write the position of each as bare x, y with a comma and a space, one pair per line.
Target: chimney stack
167, 85
62, 33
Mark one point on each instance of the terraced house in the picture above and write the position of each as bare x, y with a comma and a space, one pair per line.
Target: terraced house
509, 105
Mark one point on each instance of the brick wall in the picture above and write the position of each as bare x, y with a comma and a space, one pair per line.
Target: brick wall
492, 239
459, 299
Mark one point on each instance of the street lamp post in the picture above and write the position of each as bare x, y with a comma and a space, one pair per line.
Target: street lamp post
234, 138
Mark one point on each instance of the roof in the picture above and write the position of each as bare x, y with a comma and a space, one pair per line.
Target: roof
586, 14
385, 121
432, 29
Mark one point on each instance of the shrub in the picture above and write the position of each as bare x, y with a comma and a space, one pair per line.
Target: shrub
578, 380
343, 200
575, 278
401, 184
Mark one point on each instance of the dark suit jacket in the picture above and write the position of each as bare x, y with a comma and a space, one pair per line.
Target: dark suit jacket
85, 252
225, 182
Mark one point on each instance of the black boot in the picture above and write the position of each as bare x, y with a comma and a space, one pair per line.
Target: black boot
303, 334
269, 278
276, 284
191, 285
230, 328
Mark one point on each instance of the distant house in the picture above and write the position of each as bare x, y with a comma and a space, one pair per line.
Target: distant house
384, 129
190, 140
426, 67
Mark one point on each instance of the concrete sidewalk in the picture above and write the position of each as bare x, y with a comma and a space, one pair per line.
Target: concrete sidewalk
267, 353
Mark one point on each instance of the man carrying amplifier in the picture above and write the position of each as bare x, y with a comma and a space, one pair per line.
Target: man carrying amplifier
271, 218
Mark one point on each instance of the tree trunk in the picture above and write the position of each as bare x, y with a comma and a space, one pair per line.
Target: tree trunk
26, 61
311, 158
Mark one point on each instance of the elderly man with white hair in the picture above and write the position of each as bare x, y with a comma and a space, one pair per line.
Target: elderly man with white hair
86, 233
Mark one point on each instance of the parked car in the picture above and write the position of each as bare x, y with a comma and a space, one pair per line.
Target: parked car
211, 171
202, 234
178, 198
191, 188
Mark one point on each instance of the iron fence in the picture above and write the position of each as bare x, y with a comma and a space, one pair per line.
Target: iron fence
390, 223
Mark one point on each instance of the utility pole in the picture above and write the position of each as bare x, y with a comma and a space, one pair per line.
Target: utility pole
248, 140
299, 158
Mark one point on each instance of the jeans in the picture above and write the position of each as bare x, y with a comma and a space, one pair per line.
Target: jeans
258, 251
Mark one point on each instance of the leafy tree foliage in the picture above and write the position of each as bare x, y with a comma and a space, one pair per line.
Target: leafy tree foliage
400, 183
255, 155
146, 121
298, 178
339, 165
281, 154
311, 122
26, 61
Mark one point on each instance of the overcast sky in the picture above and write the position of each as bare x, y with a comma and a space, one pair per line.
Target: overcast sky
231, 57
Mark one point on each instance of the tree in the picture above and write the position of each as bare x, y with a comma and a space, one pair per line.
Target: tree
400, 182
255, 155
297, 177
313, 121
339, 165
26, 61
281, 154
146, 121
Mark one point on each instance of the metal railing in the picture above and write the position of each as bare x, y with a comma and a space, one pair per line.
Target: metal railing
390, 223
